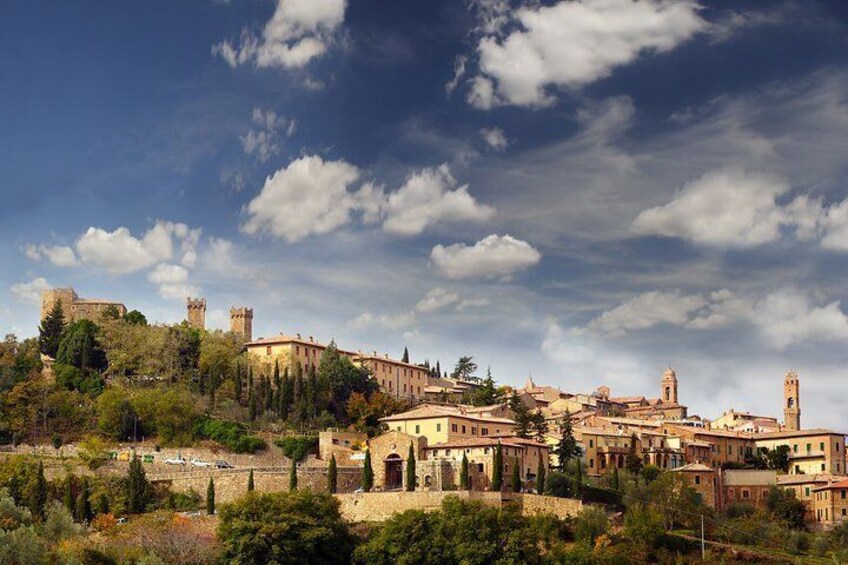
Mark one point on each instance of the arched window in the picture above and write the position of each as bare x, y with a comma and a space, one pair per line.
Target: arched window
668, 393
790, 402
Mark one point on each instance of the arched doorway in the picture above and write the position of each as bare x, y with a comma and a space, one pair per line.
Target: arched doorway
394, 472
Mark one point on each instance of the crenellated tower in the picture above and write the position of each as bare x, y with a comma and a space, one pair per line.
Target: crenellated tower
241, 322
792, 401
196, 312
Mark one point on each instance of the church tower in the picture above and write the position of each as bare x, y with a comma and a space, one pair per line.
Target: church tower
668, 390
791, 401
196, 312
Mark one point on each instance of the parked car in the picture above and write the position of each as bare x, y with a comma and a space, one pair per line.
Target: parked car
200, 463
221, 464
178, 460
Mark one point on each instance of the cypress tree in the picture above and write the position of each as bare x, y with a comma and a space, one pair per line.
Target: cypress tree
213, 384
293, 476
278, 385
83, 508
250, 481
210, 497
540, 477
238, 384
50, 330
312, 394
615, 483
38, 492
251, 401
438, 368
497, 472
405, 357
332, 476
103, 504
515, 483
269, 394
137, 487
68, 498
464, 478
410, 469
367, 473
579, 479
285, 395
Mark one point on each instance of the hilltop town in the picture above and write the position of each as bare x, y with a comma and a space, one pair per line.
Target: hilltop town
197, 407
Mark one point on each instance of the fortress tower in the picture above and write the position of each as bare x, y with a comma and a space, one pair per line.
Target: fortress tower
241, 322
51, 296
791, 401
196, 308
668, 390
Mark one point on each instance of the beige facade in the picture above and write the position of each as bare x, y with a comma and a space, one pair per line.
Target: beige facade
396, 378
810, 451
75, 308
389, 455
605, 449
442, 424
724, 446
704, 479
804, 487
747, 487
737, 421
831, 504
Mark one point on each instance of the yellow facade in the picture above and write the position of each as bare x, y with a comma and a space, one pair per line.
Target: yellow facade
831, 504
810, 451
442, 424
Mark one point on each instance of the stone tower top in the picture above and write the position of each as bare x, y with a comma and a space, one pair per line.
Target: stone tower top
668, 387
196, 310
241, 322
792, 401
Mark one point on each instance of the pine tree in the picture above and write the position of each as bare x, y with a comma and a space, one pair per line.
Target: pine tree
210, 497
68, 498
332, 476
137, 487
541, 473
515, 482
464, 478
497, 472
83, 506
523, 427
293, 476
367, 473
238, 384
567, 448
405, 357
50, 330
250, 481
410, 469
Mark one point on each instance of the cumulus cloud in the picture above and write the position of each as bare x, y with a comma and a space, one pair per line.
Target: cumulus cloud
313, 196
494, 138
570, 44
30, 291
59, 255
172, 281
727, 207
429, 196
788, 317
648, 310
299, 31
119, 252
492, 256
436, 299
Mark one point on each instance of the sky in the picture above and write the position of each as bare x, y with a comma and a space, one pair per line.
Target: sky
581, 192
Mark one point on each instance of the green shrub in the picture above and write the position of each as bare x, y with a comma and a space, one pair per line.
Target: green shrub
184, 501
297, 448
230, 434
739, 510
590, 524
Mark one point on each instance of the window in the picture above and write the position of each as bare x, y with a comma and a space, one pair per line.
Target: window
591, 443
746, 493
473, 430
697, 479
454, 427
417, 429
591, 463
821, 446
807, 491
463, 428
268, 350
809, 447
795, 448
447, 451
438, 427
843, 494
297, 349
822, 467
484, 431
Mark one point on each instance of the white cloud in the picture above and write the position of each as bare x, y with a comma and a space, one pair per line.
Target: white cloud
299, 31
312, 196
788, 317
571, 44
835, 225
728, 207
458, 72
264, 141
494, 138
493, 256
436, 299
472, 303
31, 291
172, 281
648, 310
386, 321
120, 252
429, 196
309, 196
59, 255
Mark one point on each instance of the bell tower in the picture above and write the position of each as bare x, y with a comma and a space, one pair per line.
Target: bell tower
791, 401
668, 387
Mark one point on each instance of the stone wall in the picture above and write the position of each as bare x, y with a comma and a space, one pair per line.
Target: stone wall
232, 484
380, 506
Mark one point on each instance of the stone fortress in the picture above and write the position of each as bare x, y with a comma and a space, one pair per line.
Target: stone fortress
75, 308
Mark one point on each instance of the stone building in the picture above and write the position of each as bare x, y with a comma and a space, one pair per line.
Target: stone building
441, 424
810, 451
196, 312
75, 308
704, 479
389, 454
241, 322
746, 486
804, 487
724, 446
831, 504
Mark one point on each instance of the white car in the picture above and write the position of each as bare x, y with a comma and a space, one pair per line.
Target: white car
200, 463
175, 461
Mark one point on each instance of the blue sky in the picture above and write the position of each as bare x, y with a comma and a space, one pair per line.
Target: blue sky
585, 192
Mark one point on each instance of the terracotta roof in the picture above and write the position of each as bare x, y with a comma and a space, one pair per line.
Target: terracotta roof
626, 399
797, 433
744, 477
837, 485
488, 441
695, 467
433, 411
803, 479
717, 433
